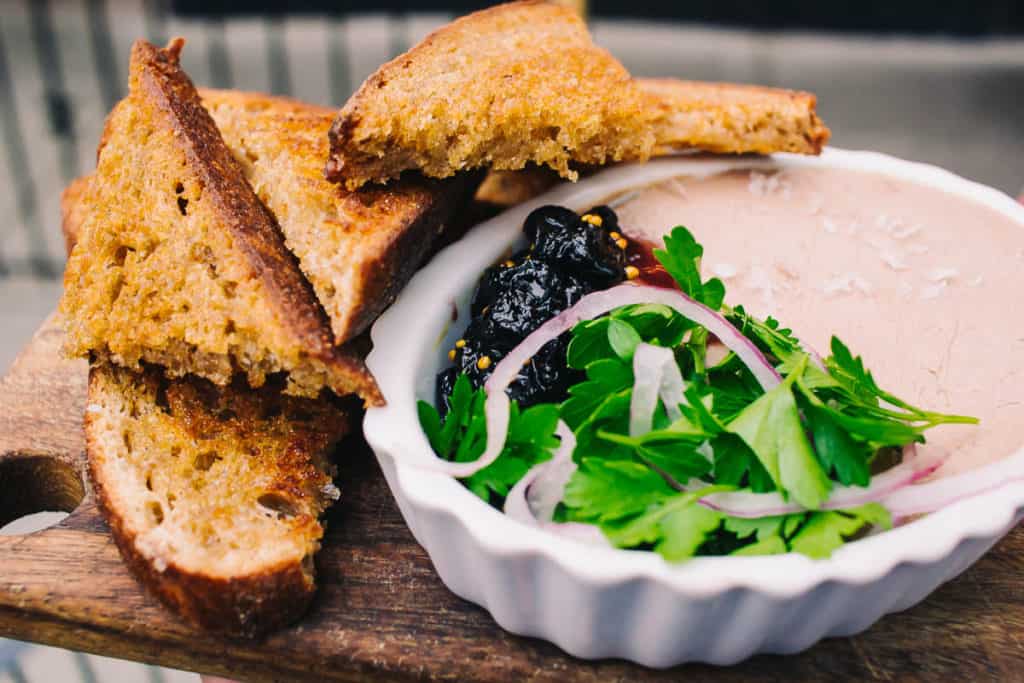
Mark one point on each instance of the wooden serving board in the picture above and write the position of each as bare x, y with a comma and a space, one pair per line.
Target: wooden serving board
381, 611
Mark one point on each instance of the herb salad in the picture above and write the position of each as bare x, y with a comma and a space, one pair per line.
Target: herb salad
677, 423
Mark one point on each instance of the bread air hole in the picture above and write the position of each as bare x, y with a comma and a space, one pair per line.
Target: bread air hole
156, 512
204, 461
281, 505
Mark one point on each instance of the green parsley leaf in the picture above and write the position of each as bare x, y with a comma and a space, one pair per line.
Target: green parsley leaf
622, 338
684, 530
826, 531
681, 257
678, 459
462, 437
604, 377
759, 527
771, 427
607, 490
772, 545
836, 449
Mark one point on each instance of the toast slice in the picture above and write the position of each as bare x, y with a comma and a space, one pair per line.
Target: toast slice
523, 83
516, 83
213, 494
731, 118
357, 249
180, 264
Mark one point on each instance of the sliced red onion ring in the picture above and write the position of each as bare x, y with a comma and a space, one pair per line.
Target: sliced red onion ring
933, 495
534, 497
656, 375
595, 304
913, 468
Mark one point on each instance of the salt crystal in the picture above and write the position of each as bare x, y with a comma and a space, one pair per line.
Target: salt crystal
847, 284
724, 271
677, 188
906, 231
760, 281
94, 408
893, 260
933, 291
830, 226
942, 274
861, 285
837, 285
815, 204
331, 491
787, 272
764, 184
976, 280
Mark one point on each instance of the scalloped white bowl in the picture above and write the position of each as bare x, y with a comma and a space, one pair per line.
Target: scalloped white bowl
598, 602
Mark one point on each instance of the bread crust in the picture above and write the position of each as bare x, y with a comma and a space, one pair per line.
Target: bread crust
244, 215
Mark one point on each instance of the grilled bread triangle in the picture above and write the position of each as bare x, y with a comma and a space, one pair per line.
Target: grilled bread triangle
357, 249
731, 118
517, 83
523, 83
180, 264
213, 494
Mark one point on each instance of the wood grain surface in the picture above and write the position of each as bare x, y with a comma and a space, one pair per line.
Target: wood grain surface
381, 612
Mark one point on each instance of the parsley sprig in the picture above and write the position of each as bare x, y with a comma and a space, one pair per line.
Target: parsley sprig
822, 426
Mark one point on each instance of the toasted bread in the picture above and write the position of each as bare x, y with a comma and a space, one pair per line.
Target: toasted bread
508, 85
180, 264
730, 118
213, 494
523, 83
357, 249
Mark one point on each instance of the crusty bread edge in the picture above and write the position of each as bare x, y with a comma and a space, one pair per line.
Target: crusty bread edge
247, 606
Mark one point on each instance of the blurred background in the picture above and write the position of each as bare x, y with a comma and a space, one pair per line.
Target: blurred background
941, 82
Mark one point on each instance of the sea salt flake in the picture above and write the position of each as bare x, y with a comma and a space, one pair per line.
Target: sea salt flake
943, 274
893, 260
725, 271
976, 280
830, 226
933, 291
847, 284
906, 231
764, 184
760, 281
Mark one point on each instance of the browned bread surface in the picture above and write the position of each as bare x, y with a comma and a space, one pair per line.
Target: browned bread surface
731, 118
517, 83
72, 210
213, 494
358, 249
179, 263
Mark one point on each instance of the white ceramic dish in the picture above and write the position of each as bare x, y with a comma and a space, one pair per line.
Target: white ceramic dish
598, 602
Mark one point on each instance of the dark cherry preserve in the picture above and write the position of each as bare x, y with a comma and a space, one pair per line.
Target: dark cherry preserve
569, 256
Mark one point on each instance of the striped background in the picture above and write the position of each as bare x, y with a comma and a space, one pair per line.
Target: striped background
63, 63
